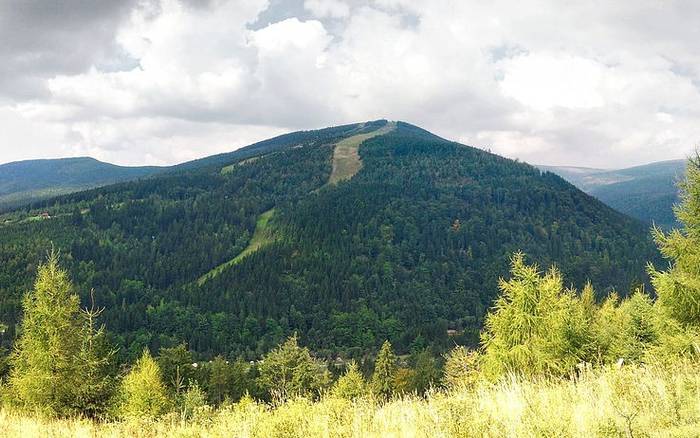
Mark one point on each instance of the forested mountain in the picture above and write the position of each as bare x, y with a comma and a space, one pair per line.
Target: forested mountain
233, 253
647, 192
24, 182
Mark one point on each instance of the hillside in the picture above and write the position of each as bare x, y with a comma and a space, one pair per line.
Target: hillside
647, 192
235, 252
24, 182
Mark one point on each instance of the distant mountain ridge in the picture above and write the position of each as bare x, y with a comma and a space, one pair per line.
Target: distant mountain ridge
646, 192
23, 182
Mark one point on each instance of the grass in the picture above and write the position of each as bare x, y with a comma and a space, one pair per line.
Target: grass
346, 156
262, 236
634, 401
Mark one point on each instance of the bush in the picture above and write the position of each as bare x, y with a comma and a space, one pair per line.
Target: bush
192, 402
461, 369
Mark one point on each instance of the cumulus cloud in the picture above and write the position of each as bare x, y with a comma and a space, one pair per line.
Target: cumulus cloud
161, 81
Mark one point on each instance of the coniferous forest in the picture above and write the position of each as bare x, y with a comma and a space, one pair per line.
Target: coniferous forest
237, 294
409, 248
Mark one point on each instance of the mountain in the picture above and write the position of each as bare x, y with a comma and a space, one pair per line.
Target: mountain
348, 236
647, 192
24, 182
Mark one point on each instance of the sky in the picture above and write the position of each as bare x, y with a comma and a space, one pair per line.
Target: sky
594, 83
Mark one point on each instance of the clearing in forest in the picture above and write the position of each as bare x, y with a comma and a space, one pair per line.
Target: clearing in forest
346, 156
262, 236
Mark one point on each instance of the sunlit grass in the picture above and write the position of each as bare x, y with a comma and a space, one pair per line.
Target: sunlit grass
634, 401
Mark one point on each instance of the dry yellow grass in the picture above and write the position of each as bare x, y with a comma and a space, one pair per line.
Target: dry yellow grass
630, 402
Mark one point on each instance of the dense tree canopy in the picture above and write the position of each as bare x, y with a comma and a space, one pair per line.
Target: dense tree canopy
410, 248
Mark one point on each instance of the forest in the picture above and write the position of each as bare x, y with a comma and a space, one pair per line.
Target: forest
552, 361
240, 294
409, 250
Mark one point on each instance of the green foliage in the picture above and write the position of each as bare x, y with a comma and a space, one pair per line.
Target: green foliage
678, 288
426, 373
176, 367
625, 330
634, 401
351, 385
34, 180
410, 246
95, 368
289, 371
535, 327
60, 365
143, 394
385, 367
192, 402
220, 379
647, 192
461, 369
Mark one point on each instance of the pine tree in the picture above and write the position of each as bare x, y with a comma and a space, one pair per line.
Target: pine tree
45, 374
289, 371
176, 366
385, 368
425, 371
351, 385
536, 327
678, 288
143, 394
97, 384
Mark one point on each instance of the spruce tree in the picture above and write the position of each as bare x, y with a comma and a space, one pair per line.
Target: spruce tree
176, 367
220, 377
425, 371
45, 374
384, 372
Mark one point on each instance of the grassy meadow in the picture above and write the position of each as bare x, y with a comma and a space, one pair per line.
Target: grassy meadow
631, 401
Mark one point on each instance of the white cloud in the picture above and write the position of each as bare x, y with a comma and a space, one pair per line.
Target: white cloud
543, 81
327, 8
525, 79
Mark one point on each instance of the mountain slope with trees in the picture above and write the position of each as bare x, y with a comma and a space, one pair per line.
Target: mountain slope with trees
647, 192
24, 182
410, 249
